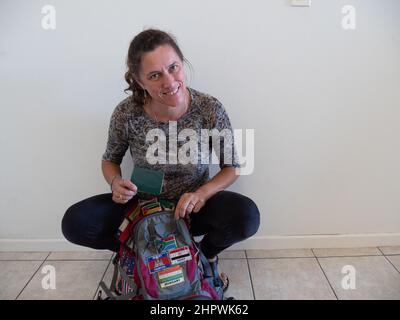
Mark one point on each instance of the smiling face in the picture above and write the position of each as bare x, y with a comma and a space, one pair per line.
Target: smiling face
161, 74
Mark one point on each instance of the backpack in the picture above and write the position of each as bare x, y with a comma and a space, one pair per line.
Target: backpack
158, 258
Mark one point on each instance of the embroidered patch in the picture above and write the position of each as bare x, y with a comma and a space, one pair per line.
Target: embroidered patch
180, 255
151, 208
165, 244
158, 262
170, 276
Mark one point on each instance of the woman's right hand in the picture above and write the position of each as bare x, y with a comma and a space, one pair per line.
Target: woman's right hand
123, 190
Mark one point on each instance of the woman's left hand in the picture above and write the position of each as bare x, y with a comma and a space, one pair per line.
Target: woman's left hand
189, 202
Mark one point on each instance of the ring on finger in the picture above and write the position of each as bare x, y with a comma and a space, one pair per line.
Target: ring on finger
120, 197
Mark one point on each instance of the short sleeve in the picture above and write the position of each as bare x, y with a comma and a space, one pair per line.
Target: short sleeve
221, 126
117, 143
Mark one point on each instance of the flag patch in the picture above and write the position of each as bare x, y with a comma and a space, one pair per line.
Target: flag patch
170, 276
158, 262
180, 255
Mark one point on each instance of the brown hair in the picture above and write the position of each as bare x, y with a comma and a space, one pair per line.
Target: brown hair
144, 42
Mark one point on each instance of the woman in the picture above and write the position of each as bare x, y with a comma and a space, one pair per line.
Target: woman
160, 100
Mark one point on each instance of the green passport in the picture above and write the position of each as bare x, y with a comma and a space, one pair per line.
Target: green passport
148, 181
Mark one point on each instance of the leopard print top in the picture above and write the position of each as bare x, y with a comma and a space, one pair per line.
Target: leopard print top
129, 125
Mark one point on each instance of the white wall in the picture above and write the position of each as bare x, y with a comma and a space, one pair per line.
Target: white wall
324, 103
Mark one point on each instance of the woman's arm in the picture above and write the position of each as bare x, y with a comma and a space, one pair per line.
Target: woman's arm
122, 190
110, 170
222, 180
194, 201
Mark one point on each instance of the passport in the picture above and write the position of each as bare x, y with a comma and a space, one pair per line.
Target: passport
148, 181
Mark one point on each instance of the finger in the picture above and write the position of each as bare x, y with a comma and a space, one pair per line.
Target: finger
127, 193
187, 208
180, 212
118, 197
180, 208
129, 185
198, 206
182, 205
177, 213
125, 199
177, 209
121, 189
190, 207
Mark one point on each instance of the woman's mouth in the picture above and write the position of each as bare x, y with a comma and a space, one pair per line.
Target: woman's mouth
172, 93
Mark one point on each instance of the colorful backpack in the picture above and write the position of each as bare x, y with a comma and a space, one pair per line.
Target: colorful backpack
159, 259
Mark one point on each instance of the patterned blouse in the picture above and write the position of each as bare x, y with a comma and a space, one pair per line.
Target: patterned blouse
183, 156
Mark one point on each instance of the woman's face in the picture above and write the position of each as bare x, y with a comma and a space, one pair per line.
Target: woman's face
161, 74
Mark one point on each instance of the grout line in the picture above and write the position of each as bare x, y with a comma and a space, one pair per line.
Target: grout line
388, 254
79, 260
50, 252
38, 259
270, 258
30, 279
251, 279
17, 260
102, 278
352, 256
333, 290
380, 250
392, 264
75, 259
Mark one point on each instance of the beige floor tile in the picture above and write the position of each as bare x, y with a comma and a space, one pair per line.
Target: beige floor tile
287, 253
375, 278
75, 280
289, 278
390, 249
81, 255
232, 254
396, 261
14, 275
239, 278
28, 255
346, 252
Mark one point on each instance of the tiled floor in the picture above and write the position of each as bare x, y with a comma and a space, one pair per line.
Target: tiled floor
254, 274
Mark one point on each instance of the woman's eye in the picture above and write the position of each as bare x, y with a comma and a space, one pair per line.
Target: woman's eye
174, 67
154, 76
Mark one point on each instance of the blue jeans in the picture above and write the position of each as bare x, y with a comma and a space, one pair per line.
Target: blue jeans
225, 219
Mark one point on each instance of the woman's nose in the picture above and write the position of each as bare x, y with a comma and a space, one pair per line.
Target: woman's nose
168, 80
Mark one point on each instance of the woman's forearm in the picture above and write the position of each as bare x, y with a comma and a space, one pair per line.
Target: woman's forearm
219, 182
110, 170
